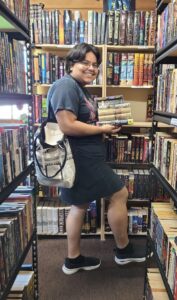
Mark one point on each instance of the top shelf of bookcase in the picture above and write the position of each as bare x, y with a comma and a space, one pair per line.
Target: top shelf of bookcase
132, 48
10, 23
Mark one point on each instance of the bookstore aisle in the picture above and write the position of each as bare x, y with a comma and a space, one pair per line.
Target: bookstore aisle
109, 282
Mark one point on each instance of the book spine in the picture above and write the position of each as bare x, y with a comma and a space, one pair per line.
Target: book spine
116, 66
130, 68
136, 69
129, 29
116, 26
110, 34
122, 31
123, 74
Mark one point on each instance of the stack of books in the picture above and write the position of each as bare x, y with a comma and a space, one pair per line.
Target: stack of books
113, 110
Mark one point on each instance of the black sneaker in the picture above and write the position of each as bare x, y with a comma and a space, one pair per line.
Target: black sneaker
129, 254
71, 266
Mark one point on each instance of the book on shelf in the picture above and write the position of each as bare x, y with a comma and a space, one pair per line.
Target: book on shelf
23, 286
126, 69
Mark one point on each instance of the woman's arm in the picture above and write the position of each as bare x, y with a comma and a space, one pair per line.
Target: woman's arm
71, 126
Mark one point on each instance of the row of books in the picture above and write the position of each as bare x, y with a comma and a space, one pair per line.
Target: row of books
13, 65
39, 108
114, 27
167, 89
135, 148
13, 152
167, 25
51, 218
130, 27
155, 288
19, 9
163, 231
47, 191
23, 286
48, 67
129, 68
137, 182
159, 193
165, 156
16, 228
137, 220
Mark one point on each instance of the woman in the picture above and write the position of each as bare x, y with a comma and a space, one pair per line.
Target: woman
72, 107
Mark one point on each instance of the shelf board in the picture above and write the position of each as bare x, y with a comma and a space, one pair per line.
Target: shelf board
132, 48
131, 86
140, 124
130, 234
15, 272
167, 54
57, 46
10, 23
57, 235
165, 117
16, 181
123, 165
47, 86
165, 184
138, 203
109, 47
9, 98
165, 281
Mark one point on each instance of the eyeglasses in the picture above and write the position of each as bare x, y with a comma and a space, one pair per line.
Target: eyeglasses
88, 64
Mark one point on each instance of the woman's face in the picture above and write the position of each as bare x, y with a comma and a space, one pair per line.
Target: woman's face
87, 70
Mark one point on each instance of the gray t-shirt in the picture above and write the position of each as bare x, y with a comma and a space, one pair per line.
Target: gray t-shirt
66, 93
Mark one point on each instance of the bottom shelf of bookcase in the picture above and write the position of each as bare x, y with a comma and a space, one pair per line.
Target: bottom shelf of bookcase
60, 235
152, 247
17, 268
131, 234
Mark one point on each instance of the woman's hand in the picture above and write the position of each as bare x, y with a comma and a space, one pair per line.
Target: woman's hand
110, 129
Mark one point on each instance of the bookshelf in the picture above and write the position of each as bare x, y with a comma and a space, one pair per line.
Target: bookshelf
165, 65
15, 88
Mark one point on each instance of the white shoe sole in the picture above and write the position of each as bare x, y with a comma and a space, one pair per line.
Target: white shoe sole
128, 260
72, 271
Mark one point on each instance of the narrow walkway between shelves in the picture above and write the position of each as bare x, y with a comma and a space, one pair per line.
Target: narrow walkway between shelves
109, 282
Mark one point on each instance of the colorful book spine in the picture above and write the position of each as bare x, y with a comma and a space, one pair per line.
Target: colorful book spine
123, 73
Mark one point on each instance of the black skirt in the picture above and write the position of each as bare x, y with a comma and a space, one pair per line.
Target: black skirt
94, 177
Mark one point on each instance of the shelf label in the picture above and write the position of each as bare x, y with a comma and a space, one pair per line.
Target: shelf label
173, 122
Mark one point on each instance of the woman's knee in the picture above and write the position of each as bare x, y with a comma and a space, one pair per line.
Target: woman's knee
79, 208
120, 196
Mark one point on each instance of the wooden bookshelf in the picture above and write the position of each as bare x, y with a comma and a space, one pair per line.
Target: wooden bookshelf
130, 48
131, 86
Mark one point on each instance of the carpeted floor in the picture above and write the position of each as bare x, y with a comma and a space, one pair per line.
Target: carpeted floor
109, 282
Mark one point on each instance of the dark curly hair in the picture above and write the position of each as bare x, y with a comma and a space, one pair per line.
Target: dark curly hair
78, 53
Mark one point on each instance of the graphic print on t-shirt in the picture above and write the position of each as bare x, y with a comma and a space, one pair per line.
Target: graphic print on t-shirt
92, 108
